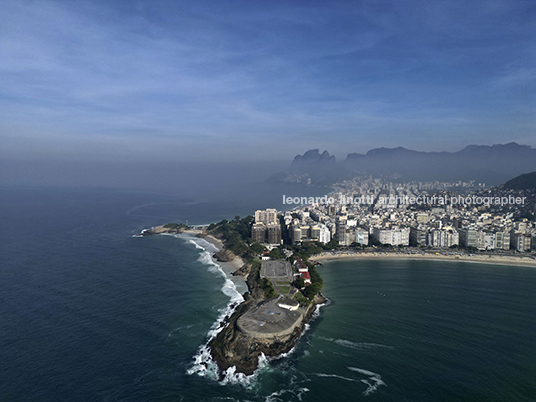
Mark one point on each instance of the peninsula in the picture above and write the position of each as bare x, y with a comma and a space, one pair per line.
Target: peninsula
262, 324
283, 293
368, 218
167, 228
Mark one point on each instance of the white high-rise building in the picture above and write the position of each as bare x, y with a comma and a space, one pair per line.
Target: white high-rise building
268, 217
394, 237
325, 234
362, 236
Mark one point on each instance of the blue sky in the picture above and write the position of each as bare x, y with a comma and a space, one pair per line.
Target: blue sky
123, 80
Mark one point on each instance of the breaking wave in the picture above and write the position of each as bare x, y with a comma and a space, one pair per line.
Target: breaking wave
357, 345
373, 382
203, 364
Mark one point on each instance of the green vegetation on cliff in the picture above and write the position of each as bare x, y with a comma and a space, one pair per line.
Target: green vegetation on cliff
235, 234
267, 287
316, 283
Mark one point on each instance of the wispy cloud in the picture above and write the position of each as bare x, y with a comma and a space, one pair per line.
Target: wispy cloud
236, 73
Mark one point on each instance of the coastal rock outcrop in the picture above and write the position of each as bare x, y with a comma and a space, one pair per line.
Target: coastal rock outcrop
225, 255
167, 228
235, 347
243, 271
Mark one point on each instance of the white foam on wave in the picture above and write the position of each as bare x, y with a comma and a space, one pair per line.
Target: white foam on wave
374, 377
373, 381
306, 328
228, 288
181, 329
276, 396
230, 376
319, 306
200, 243
203, 364
335, 376
357, 345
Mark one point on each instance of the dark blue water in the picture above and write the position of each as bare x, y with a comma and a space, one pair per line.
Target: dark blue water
90, 313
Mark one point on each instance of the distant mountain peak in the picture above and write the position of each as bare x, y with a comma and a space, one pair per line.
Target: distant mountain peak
313, 167
311, 158
511, 146
483, 163
390, 151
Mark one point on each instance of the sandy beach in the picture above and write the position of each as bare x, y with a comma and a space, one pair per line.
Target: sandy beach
487, 259
231, 265
211, 239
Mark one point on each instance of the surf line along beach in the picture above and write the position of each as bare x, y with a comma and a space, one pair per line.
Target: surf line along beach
259, 326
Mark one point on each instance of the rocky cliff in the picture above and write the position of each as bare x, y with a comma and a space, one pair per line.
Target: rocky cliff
225, 255
233, 347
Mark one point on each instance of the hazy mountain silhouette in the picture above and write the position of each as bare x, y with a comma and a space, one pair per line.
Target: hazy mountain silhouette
313, 167
489, 164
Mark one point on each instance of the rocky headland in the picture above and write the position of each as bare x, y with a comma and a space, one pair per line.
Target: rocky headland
235, 347
167, 228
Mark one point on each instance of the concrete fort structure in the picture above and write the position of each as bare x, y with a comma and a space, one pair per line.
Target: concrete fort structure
276, 270
271, 319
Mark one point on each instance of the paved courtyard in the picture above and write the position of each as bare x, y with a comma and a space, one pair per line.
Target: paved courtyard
268, 320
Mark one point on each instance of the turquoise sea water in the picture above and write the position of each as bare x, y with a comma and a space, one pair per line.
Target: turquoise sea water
90, 313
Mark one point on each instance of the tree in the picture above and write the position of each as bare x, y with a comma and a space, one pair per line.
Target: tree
256, 264
332, 245
277, 254
257, 248
374, 242
268, 288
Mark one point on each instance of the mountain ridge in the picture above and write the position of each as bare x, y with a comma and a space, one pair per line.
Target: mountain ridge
490, 164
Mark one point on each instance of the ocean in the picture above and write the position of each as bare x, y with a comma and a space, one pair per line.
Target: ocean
88, 312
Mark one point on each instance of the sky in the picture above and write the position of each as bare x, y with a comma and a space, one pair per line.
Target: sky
123, 82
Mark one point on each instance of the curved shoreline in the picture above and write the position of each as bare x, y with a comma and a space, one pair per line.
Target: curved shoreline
239, 351
488, 259
235, 351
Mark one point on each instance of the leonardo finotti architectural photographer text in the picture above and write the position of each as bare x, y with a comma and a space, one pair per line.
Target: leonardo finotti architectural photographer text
406, 200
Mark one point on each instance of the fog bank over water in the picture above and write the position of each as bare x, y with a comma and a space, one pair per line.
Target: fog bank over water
189, 178
156, 164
